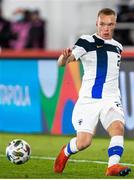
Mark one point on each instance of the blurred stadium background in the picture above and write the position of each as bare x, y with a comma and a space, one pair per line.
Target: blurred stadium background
37, 97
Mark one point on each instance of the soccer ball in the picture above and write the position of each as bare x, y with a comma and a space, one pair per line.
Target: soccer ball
18, 151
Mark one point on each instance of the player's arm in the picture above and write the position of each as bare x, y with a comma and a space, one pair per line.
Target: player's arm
66, 57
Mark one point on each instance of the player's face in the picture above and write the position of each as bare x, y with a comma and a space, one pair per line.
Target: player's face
105, 26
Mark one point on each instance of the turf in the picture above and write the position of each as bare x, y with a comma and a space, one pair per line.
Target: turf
43, 146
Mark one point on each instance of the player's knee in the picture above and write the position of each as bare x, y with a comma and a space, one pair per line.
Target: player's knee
116, 128
83, 144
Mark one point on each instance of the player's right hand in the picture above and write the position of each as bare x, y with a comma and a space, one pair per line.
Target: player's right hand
66, 52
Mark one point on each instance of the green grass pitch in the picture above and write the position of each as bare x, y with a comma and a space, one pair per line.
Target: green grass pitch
45, 148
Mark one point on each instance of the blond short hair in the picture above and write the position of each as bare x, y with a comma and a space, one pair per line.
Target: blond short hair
106, 11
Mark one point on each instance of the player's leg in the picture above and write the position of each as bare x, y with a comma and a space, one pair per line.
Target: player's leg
78, 143
84, 119
116, 146
113, 122
115, 150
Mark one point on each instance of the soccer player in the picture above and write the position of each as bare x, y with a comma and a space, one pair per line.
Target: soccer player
99, 96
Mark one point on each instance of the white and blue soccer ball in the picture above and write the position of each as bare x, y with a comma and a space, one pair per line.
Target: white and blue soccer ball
18, 151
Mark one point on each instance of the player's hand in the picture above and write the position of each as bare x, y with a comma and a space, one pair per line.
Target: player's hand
65, 57
66, 52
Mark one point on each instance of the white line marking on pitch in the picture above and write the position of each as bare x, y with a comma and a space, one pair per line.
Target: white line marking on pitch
73, 160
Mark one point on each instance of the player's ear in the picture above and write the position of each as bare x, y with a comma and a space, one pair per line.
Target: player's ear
96, 23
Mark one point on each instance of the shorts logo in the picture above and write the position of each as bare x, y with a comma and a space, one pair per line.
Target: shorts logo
118, 104
80, 121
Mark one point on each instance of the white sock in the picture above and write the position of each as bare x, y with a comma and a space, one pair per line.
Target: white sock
116, 141
71, 147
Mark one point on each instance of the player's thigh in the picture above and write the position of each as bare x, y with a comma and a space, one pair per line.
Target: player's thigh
85, 117
112, 111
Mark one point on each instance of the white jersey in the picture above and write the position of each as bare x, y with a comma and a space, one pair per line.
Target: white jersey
101, 62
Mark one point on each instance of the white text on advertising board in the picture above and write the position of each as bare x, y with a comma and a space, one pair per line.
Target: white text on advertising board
17, 95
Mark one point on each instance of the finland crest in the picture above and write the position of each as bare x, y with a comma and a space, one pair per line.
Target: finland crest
80, 121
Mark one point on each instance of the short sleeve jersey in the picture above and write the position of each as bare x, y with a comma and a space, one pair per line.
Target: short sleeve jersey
101, 63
